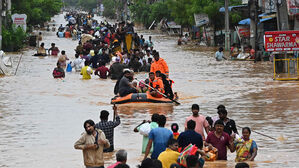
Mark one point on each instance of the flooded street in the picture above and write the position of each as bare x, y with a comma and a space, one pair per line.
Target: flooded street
41, 117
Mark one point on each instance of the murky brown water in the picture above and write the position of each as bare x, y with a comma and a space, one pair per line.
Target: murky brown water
41, 118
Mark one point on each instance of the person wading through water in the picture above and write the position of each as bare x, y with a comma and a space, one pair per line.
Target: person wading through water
92, 143
108, 126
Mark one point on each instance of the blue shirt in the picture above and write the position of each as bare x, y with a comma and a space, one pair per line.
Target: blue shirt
190, 136
160, 137
60, 34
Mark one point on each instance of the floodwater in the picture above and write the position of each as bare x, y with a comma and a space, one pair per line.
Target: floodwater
41, 118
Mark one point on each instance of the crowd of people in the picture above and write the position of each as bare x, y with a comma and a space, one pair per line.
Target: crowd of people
118, 46
203, 138
167, 147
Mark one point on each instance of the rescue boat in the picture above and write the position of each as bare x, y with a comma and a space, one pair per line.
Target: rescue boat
139, 98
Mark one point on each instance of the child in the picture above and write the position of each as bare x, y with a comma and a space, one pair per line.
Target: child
174, 129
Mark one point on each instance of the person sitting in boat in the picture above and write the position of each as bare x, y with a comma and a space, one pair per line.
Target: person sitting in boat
58, 72
142, 86
156, 84
167, 86
125, 85
41, 50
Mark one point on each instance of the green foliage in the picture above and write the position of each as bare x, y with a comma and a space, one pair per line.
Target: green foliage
146, 13
37, 11
110, 7
235, 18
141, 11
159, 11
88, 4
71, 3
181, 11
13, 38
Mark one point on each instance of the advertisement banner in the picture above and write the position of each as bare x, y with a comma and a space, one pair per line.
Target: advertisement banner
201, 19
19, 20
293, 7
244, 31
281, 41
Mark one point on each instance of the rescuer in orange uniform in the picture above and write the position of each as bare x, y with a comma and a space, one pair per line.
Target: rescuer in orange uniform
156, 83
159, 65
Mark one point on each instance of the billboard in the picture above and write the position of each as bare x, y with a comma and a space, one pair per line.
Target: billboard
281, 41
293, 7
19, 20
201, 19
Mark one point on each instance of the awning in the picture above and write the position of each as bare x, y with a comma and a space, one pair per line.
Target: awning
230, 8
263, 17
247, 21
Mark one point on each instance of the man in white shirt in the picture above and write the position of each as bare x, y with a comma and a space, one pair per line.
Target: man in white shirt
77, 63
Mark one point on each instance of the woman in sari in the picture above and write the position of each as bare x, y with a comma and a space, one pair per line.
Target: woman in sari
245, 147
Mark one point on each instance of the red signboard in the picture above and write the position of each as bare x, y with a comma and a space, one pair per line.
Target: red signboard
244, 32
281, 40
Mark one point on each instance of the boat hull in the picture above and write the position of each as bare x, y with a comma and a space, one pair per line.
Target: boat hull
139, 98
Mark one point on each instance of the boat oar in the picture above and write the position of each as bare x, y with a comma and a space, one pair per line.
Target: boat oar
18, 64
261, 134
158, 92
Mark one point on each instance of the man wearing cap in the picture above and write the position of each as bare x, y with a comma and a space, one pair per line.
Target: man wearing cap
159, 65
108, 126
229, 124
125, 85
220, 140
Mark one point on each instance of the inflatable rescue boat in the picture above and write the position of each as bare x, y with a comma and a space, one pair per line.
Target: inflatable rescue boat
139, 98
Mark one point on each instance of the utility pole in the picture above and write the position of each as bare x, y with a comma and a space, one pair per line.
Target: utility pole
253, 15
282, 15
227, 34
0, 25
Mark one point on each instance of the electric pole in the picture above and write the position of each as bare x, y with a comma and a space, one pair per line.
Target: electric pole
227, 34
253, 15
282, 15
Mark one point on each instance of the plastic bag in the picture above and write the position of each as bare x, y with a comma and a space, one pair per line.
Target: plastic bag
69, 67
145, 129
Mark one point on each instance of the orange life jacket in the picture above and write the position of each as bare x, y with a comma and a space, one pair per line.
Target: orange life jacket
160, 65
157, 83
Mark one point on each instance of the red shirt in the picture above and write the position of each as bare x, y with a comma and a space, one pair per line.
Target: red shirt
219, 143
103, 72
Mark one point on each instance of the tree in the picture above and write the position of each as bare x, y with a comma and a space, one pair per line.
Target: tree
141, 11
181, 11
109, 8
88, 4
37, 11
